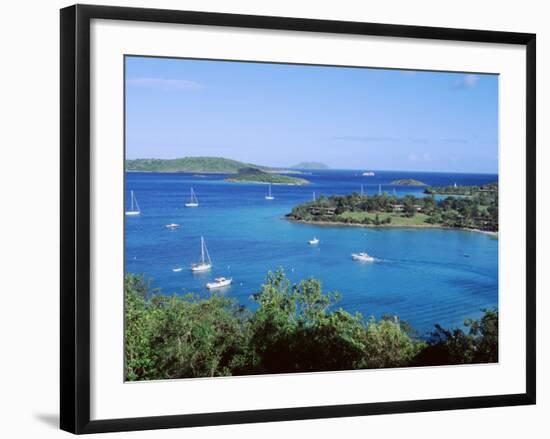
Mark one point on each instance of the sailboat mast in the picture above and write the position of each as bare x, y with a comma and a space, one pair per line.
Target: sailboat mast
202, 249
132, 200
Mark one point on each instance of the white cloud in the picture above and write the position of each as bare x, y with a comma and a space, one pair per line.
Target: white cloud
467, 81
165, 84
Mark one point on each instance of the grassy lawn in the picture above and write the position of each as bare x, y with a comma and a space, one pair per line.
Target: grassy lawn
396, 219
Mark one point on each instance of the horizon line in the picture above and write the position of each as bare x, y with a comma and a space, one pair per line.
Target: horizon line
329, 168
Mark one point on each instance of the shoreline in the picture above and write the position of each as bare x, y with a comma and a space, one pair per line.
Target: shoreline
390, 226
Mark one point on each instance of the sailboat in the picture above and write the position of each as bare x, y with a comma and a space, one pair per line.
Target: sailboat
205, 263
193, 201
134, 208
314, 241
269, 196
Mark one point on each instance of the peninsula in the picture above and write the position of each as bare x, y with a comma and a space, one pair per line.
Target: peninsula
462, 190
478, 212
254, 175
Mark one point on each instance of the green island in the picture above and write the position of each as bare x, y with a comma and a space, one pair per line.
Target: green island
462, 190
294, 328
310, 165
408, 182
200, 165
254, 175
476, 212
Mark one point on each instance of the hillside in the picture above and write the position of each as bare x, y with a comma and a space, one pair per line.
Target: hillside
408, 182
310, 165
205, 165
254, 175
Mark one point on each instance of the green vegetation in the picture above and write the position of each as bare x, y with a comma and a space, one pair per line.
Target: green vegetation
463, 190
206, 165
408, 182
310, 165
253, 175
478, 211
294, 329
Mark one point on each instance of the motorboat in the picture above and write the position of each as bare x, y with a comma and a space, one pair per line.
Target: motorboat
219, 282
362, 256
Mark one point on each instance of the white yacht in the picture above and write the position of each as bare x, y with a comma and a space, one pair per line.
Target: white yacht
368, 174
362, 256
172, 226
193, 200
219, 282
314, 241
134, 208
177, 269
269, 196
205, 262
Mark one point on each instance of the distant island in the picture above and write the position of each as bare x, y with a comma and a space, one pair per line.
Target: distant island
198, 165
254, 175
476, 212
408, 182
310, 165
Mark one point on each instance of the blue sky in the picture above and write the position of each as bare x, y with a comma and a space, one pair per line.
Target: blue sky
279, 115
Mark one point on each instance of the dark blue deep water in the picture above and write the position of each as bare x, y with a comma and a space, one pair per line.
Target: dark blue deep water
424, 276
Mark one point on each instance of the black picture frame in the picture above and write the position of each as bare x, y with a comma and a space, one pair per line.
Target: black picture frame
75, 217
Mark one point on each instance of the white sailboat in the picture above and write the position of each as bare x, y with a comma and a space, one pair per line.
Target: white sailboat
314, 241
219, 282
172, 226
269, 196
134, 208
193, 200
205, 262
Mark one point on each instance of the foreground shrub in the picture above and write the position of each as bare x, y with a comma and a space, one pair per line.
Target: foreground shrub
295, 328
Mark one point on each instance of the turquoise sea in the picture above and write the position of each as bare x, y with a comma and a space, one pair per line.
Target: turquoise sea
424, 276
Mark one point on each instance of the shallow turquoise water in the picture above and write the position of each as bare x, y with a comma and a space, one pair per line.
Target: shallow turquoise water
424, 276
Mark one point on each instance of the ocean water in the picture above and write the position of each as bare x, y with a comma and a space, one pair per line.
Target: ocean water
424, 276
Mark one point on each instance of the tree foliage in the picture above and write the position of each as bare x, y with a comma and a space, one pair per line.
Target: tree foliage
295, 328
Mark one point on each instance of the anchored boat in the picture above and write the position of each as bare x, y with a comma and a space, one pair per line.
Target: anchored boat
193, 200
134, 208
269, 196
205, 262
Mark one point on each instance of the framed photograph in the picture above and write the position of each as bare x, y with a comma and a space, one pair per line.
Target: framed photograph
268, 218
